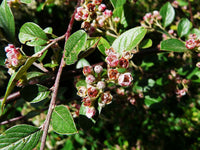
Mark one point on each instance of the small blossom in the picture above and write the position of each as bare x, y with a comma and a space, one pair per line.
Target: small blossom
77, 17
192, 36
125, 79
90, 112
102, 7
97, 2
175, 4
198, 64
106, 98
98, 68
116, 19
90, 7
107, 13
120, 91
101, 85
113, 74
90, 79
85, 25
112, 60
101, 22
147, 17
127, 55
87, 101
92, 92
82, 91
123, 62
87, 70
109, 51
190, 44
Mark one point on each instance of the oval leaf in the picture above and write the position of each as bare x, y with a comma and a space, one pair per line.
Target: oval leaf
146, 43
183, 27
173, 45
19, 137
103, 45
31, 34
7, 21
167, 12
26, 1
81, 63
149, 100
62, 121
74, 46
129, 39
35, 93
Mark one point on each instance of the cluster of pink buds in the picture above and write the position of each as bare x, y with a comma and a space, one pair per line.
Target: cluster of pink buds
193, 42
93, 14
150, 18
13, 58
181, 84
115, 62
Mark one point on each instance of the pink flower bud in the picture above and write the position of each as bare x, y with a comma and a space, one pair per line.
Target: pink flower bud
116, 19
156, 13
82, 91
101, 22
127, 55
87, 70
85, 25
77, 17
123, 62
175, 4
85, 15
90, 112
193, 36
102, 7
97, 2
113, 74
125, 79
198, 64
98, 68
112, 60
171, 31
107, 13
90, 79
147, 16
92, 92
190, 44
101, 85
87, 101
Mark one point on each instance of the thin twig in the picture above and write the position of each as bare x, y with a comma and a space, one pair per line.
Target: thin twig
39, 66
12, 120
12, 96
56, 85
190, 10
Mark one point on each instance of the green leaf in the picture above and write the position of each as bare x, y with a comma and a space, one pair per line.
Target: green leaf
119, 12
39, 48
129, 39
146, 43
48, 30
62, 121
16, 76
7, 21
34, 93
167, 12
151, 100
81, 83
33, 74
81, 63
74, 46
31, 34
103, 45
26, 1
196, 31
173, 45
19, 137
183, 27
117, 3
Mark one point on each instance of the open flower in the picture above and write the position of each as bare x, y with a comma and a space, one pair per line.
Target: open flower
113, 74
125, 79
112, 60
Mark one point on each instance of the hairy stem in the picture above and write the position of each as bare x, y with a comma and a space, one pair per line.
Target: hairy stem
56, 85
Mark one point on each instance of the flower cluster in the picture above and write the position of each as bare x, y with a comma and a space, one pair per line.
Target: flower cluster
93, 14
96, 80
193, 42
14, 58
151, 18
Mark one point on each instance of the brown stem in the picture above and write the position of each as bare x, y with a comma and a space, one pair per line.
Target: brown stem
190, 10
12, 120
56, 85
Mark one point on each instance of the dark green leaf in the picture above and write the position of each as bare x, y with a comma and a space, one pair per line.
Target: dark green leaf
151, 100
35, 93
62, 121
183, 27
20, 137
129, 39
167, 12
74, 46
34, 74
16, 76
39, 48
7, 21
31, 34
145, 43
173, 45
103, 45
